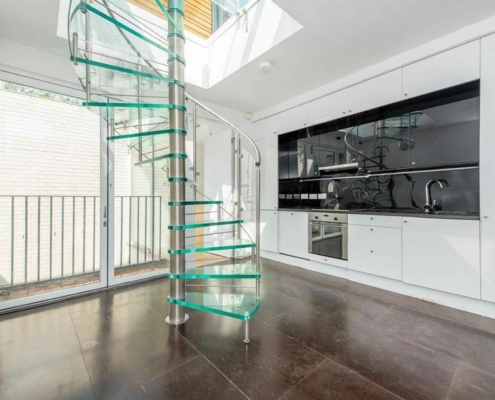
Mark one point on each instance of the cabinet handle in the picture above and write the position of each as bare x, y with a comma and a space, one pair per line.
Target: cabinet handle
371, 251
291, 213
405, 94
405, 222
350, 110
371, 218
343, 112
371, 229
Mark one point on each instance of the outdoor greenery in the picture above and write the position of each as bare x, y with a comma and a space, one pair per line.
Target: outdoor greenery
44, 94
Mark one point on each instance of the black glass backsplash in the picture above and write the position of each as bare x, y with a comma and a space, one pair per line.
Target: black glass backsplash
436, 130
405, 192
428, 131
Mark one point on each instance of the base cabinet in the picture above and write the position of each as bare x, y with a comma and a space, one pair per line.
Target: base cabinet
442, 255
293, 233
375, 250
269, 230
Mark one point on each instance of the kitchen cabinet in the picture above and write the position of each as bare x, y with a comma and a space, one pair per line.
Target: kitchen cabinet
376, 250
269, 171
442, 254
385, 221
376, 92
487, 168
269, 230
443, 70
292, 119
293, 233
328, 108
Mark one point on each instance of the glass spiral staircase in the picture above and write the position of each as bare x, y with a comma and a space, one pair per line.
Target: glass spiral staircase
132, 71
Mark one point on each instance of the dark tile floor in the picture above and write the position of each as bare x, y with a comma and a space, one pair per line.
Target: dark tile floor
315, 337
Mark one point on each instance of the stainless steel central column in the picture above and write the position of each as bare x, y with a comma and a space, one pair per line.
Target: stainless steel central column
177, 192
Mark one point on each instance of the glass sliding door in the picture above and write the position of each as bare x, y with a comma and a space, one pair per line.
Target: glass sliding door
139, 197
52, 241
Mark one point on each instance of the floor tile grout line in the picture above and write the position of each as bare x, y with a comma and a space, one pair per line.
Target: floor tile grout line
304, 377
452, 383
214, 366
365, 378
80, 348
333, 360
170, 370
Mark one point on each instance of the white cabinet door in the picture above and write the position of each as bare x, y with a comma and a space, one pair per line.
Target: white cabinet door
291, 120
328, 108
376, 92
386, 221
376, 250
269, 230
442, 254
451, 68
269, 171
487, 168
293, 233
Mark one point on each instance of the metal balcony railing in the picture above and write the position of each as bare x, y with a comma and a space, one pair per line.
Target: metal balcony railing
54, 238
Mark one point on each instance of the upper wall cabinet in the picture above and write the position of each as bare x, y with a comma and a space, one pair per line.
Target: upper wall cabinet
328, 108
444, 70
291, 120
376, 92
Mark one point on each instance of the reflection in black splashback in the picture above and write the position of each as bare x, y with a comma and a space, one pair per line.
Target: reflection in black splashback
405, 192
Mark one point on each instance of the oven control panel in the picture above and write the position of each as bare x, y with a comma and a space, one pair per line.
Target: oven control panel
328, 217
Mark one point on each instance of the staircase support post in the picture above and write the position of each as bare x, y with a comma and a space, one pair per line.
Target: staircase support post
177, 192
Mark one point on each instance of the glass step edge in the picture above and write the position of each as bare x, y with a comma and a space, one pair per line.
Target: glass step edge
218, 247
204, 224
181, 179
126, 70
191, 304
164, 157
135, 105
149, 133
193, 202
176, 30
228, 271
83, 6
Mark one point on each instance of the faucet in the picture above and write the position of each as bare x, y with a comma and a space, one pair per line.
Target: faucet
429, 206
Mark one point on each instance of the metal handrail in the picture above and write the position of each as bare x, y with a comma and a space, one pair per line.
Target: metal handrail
209, 110
258, 182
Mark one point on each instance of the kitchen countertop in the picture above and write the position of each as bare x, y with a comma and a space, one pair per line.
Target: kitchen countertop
397, 213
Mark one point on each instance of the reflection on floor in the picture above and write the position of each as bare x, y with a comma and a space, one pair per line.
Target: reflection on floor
7, 294
315, 337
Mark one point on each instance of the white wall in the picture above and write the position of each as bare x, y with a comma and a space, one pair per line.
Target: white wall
49, 148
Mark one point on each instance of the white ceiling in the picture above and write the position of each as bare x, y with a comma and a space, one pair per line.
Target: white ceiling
339, 37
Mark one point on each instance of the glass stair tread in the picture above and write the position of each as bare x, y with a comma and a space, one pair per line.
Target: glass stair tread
121, 105
194, 202
204, 224
239, 306
227, 244
108, 24
121, 79
160, 161
230, 271
159, 136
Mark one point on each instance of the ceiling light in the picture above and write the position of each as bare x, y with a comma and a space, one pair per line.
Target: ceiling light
266, 66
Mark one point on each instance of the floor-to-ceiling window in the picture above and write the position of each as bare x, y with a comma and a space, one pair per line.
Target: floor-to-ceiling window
50, 196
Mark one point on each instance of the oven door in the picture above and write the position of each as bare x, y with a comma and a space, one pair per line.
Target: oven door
328, 239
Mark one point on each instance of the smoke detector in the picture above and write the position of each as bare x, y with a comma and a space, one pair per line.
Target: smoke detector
266, 66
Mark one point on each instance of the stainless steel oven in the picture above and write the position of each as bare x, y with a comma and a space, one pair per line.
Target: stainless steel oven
327, 234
